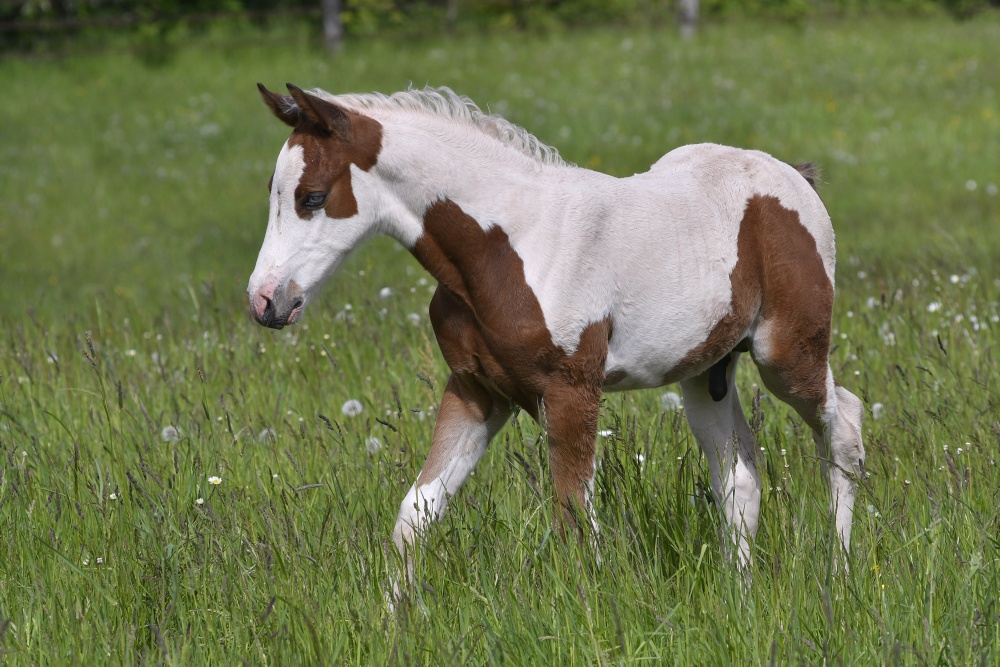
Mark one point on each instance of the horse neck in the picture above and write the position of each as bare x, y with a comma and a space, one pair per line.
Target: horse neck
434, 160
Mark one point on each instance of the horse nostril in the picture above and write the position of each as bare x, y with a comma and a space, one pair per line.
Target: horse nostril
297, 303
268, 313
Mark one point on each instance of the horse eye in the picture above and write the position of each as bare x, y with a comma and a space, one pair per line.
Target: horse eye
314, 200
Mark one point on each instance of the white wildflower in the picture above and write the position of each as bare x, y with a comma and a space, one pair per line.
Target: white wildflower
113, 496
385, 293
199, 501
215, 480
170, 434
606, 433
414, 318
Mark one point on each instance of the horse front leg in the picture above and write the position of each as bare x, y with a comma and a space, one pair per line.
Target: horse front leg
467, 420
570, 417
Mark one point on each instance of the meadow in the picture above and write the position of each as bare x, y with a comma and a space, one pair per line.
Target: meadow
179, 486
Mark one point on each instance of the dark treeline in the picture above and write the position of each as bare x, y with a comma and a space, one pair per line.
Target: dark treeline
27, 23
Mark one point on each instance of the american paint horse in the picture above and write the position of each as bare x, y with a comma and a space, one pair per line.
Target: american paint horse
557, 283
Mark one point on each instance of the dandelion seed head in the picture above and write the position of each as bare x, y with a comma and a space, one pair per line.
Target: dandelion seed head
877, 410
352, 408
385, 293
373, 445
267, 435
671, 401
170, 434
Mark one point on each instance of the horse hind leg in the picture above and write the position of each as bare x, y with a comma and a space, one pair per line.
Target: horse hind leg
716, 418
796, 370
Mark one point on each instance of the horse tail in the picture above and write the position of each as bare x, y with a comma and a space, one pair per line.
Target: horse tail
808, 171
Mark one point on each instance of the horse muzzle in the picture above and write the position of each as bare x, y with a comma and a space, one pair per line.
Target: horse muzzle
275, 306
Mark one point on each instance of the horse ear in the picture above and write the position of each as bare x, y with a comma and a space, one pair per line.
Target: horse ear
282, 106
321, 113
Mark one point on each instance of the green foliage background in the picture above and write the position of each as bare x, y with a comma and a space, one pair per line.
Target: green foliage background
44, 24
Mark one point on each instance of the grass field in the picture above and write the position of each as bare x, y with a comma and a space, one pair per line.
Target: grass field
134, 202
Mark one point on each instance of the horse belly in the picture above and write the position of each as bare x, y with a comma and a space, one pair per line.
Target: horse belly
668, 342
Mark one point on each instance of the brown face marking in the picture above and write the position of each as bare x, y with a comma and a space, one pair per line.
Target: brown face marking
329, 157
489, 325
780, 281
332, 139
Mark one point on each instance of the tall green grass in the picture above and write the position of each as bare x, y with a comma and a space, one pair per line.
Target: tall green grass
134, 203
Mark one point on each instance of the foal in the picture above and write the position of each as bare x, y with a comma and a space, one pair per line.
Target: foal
557, 283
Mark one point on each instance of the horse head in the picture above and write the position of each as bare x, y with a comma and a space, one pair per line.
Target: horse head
323, 202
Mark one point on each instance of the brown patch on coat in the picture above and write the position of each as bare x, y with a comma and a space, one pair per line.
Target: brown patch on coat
780, 283
489, 324
796, 309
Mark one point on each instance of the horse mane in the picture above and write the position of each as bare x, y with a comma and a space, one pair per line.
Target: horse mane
446, 103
